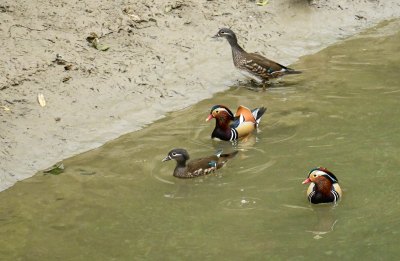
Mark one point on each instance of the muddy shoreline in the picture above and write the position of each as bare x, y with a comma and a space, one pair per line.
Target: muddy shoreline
160, 59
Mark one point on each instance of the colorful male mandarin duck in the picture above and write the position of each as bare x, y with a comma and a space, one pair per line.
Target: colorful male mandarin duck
232, 127
197, 167
253, 65
324, 187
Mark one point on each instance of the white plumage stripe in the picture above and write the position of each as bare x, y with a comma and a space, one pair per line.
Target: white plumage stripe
234, 135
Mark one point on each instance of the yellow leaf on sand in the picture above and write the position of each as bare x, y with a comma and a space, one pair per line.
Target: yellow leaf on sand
262, 2
5, 108
41, 100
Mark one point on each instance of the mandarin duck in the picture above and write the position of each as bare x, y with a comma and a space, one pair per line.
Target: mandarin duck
324, 187
197, 167
253, 65
231, 127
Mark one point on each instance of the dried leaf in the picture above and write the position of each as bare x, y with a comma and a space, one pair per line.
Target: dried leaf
66, 79
5, 108
101, 47
96, 44
56, 169
41, 100
262, 2
168, 9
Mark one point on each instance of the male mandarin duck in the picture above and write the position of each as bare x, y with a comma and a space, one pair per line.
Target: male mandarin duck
253, 65
324, 187
197, 167
231, 127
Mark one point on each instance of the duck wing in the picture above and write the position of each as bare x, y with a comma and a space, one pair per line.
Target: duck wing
223, 158
265, 67
203, 166
246, 112
236, 122
256, 60
241, 127
245, 128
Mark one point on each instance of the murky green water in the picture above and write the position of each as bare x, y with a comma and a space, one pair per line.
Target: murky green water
120, 202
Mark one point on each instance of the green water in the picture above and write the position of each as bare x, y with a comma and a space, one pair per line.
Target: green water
120, 202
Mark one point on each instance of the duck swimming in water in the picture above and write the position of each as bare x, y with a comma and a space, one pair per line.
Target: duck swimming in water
231, 126
324, 186
197, 167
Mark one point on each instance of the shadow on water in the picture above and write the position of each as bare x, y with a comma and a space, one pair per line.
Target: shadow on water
121, 202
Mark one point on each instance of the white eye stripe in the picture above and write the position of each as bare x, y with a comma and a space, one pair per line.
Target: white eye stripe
318, 172
223, 109
322, 173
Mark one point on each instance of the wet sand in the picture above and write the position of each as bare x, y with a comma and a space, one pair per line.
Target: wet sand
161, 58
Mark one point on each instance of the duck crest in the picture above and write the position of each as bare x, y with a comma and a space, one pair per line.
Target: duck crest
222, 108
327, 172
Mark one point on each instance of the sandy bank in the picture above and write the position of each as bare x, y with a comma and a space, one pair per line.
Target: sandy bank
161, 58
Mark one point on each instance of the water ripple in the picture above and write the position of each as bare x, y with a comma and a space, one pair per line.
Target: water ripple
242, 203
252, 172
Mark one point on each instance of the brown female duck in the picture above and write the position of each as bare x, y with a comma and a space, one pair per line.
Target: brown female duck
196, 167
253, 65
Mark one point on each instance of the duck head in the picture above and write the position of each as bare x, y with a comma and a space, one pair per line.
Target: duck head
221, 113
228, 34
319, 173
180, 155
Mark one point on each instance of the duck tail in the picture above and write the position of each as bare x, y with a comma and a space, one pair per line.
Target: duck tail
218, 153
228, 155
258, 113
223, 158
292, 71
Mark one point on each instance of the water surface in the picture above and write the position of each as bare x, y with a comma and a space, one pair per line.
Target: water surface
120, 202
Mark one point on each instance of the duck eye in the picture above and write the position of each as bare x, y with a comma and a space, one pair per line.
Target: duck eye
173, 154
315, 175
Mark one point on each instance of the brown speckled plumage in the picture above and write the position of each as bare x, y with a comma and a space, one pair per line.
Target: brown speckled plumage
196, 167
253, 65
